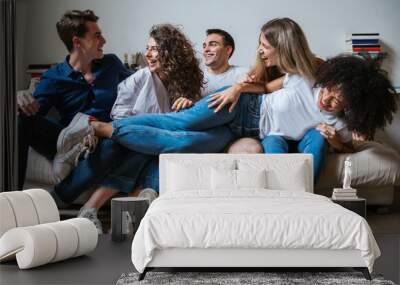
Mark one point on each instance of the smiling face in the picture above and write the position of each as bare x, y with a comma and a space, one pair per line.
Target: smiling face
91, 44
215, 53
152, 55
331, 100
267, 53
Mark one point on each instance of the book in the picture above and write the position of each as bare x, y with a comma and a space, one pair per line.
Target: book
358, 49
344, 194
364, 41
340, 190
365, 34
366, 46
362, 36
344, 197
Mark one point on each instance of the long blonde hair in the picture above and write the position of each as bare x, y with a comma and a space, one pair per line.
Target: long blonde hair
293, 52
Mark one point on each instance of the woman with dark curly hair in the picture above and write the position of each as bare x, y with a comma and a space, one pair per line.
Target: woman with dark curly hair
368, 97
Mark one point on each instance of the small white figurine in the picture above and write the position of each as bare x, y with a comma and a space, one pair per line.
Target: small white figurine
347, 173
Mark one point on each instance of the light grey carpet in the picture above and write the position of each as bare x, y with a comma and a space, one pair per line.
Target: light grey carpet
243, 278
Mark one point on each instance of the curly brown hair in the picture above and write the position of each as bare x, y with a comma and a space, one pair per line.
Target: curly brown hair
369, 94
178, 61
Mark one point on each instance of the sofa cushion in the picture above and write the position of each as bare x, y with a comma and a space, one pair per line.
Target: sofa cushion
39, 169
373, 164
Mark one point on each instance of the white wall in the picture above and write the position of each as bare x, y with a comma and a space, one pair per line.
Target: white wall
125, 24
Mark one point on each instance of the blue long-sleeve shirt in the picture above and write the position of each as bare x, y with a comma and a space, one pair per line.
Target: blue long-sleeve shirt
67, 90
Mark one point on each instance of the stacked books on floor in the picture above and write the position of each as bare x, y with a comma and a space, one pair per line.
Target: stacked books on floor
344, 194
364, 44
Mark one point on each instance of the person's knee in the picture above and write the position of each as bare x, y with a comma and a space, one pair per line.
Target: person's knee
245, 145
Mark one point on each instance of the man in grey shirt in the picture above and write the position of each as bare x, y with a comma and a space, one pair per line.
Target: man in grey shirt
218, 48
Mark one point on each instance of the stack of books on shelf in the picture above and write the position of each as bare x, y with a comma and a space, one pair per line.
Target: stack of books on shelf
364, 44
37, 70
344, 194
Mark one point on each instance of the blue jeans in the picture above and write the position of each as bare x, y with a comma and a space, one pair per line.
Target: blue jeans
111, 165
312, 142
197, 129
149, 177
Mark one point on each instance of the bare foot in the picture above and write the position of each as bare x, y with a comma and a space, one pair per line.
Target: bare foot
102, 130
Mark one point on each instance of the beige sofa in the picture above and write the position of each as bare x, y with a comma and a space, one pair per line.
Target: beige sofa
375, 172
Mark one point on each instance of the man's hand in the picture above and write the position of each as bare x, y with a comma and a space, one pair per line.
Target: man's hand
330, 134
227, 97
27, 103
181, 103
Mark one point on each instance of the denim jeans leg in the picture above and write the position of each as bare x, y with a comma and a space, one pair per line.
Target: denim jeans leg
190, 130
313, 142
154, 141
92, 171
41, 133
125, 177
150, 175
275, 144
197, 118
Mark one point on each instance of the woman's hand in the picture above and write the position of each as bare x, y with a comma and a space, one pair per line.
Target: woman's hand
330, 134
358, 137
247, 78
181, 103
229, 96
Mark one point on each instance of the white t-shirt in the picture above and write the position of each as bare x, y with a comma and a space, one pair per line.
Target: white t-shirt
293, 110
142, 92
213, 82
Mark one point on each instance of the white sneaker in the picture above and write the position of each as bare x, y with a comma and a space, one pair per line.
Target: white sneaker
74, 133
63, 163
149, 194
91, 214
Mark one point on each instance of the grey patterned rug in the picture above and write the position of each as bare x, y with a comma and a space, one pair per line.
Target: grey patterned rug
243, 278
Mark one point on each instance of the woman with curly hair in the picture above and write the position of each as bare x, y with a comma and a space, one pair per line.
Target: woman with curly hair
171, 81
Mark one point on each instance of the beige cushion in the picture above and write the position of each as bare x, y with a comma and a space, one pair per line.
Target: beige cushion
372, 165
39, 168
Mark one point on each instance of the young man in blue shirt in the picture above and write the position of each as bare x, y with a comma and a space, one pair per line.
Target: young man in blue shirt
85, 82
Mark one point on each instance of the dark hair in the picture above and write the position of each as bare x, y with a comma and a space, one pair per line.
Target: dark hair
178, 61
73, 23
370, 97
228, 40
